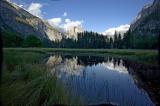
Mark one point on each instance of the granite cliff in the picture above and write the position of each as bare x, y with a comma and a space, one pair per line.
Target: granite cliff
16, 19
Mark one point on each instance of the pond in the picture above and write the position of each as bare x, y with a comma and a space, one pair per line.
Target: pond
99, 80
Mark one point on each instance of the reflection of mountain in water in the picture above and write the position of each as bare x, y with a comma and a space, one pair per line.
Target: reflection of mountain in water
148, 72
103, 80
73, 65
68, 66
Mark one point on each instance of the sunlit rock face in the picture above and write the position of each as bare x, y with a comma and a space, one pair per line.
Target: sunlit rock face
147, 21
20, 21
53, 34
71, 32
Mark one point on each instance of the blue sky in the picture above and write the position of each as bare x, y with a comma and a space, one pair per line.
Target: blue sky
95, 15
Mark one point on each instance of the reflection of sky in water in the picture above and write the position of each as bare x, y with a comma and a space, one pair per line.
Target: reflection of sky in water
119, 68
104, 82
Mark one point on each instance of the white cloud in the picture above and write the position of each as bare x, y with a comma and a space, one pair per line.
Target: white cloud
67, 20
35, 9
66, 25
121, 29
65, 14
70, 24
71, 28
55, 21
20, 5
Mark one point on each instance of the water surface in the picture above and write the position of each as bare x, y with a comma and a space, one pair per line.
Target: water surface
98, 80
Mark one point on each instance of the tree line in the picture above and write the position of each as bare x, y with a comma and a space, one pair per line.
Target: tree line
98, 41
86, 39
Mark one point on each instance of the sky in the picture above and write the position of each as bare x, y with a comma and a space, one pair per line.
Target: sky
96, 15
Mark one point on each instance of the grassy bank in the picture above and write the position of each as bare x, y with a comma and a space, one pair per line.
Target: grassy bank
25, 81
143, 56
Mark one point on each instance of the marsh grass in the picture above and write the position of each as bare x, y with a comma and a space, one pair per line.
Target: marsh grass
144, 56
25, 81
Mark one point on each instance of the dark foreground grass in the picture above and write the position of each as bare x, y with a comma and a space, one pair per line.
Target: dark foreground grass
27, 82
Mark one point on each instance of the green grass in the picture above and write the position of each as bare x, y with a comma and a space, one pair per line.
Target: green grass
25, 81
143, 56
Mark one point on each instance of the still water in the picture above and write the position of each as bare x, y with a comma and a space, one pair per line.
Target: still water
98, 80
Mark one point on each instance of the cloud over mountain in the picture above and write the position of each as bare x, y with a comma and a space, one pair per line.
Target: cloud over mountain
69, 24
55, 21
121, 29
35, 9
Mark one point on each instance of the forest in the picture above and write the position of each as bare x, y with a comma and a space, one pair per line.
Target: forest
96, 41
86, 40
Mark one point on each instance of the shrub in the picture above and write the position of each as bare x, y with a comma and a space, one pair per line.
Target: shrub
32, 41
11, 39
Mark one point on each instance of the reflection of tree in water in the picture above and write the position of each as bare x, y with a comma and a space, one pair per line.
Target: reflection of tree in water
92, 60
146, 71
147, 77
75, 67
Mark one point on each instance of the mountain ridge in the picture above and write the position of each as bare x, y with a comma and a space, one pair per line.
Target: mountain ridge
148, 20
21, 21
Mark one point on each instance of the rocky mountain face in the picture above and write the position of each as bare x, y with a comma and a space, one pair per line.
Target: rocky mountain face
148, 20
72, 32
16, 19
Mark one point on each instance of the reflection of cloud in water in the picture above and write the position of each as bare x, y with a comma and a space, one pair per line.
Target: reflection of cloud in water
66, 67
119, 68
